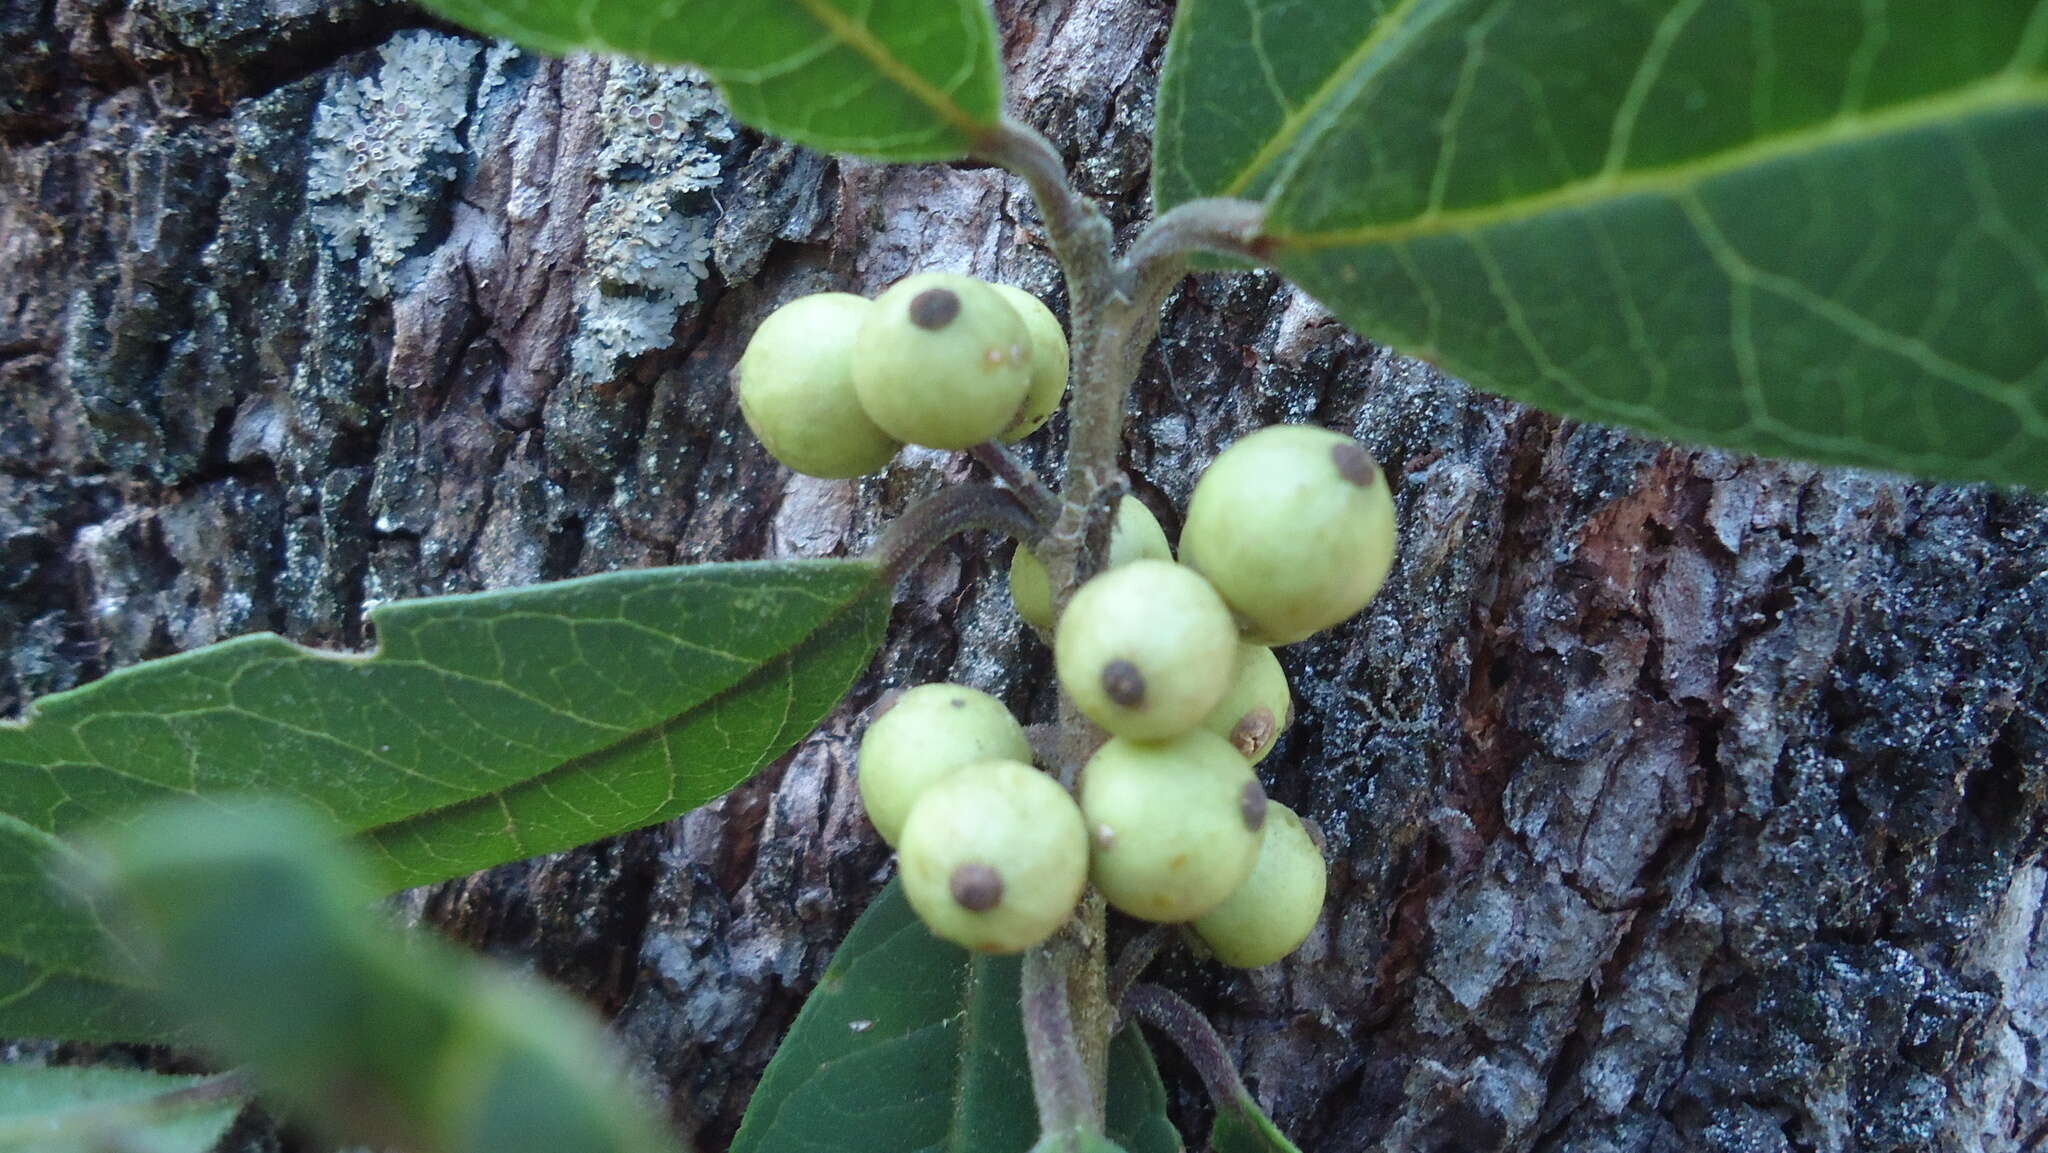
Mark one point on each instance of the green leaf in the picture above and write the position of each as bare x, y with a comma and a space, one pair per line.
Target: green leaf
486, 728
902, 80
909, 1043
92, 1110
257, 922
1807, 229
1242, 1127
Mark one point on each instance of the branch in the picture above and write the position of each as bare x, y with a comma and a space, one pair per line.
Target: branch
1193, 1035
947, 513
1020, 478
1067, 1102
1230, 227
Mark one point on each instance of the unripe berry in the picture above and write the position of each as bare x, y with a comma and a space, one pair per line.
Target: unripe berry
942, 361
1136, 535
1174, 828
796, 389
927, 733
1295, 527
994, 857
1146, 650
1048, 361
1258, 707
1272, 913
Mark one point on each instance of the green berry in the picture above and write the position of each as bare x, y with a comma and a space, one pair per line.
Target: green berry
1136, 535
1048, 361
1258, 707
942, 361
926, 734
1174, 828
1146, 650
1295, 527
994, 857
1271, 914
796, 389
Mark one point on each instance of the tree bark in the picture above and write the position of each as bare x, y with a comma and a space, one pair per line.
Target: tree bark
1676, 800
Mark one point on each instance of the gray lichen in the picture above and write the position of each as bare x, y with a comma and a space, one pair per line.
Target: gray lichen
384, 151
648, 230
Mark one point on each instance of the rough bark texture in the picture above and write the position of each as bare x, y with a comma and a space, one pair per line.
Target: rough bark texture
1676, 800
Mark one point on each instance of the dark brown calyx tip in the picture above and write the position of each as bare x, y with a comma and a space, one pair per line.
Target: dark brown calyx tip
977, 888
1123, 683
934, 308
1355, 464
1252, 731
1252, 803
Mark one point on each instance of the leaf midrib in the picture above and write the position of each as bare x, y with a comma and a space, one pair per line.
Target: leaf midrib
1297, 120
627, 740
856, 37
2002, 91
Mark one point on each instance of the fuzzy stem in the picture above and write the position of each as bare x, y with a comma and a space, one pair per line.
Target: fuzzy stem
1131, 963
1021, 479
946, 513
1193, 1035
1068, 1097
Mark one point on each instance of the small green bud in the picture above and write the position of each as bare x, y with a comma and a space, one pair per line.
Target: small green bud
1174, 828
994, 857
796, 390
1136, 535
1146, 650
1294, 526
927, 733
1048, 362
1258, 707
1272, 913
942, 361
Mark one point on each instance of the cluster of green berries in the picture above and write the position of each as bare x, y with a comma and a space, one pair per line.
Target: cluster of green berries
1290, 531
834, 384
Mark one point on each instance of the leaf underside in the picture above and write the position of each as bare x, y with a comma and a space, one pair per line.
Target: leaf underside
902, 80
909, 1043
1808, 228
87, 1110
485, 728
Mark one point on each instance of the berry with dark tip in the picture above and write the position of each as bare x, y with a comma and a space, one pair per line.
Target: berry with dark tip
942, 361
795, 384
927, 733
994, 857
1273, 912
1174, 827
1294, 526
1258, 707
1146, 650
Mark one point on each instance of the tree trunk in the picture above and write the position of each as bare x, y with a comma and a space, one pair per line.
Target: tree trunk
1676, 800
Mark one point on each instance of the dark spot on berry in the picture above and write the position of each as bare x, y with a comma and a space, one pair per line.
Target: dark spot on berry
1123, 683
934, 308
977, 888
959, 702
1355, 464
1253, 730
1252, 803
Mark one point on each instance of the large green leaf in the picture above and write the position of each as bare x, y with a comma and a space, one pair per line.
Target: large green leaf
259, 931
485, 729
900, 80
910, 1043
73, 1110
1808, 228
